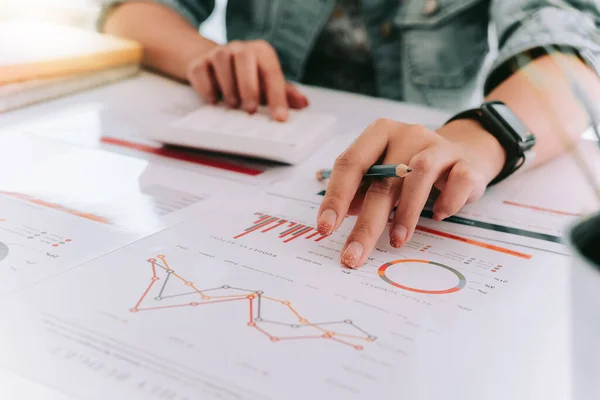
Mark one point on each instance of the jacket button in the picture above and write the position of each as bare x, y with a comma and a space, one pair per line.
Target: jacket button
386, 30
431, 7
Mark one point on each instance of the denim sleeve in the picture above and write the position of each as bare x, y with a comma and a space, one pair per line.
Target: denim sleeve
526, 24
194, 11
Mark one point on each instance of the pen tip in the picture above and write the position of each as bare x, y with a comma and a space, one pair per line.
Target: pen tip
409, 169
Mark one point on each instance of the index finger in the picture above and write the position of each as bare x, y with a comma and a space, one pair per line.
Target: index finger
348, 172
274, 84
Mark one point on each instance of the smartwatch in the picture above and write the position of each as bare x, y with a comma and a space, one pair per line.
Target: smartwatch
504, 125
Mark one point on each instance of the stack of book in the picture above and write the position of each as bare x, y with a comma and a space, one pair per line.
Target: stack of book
41, 61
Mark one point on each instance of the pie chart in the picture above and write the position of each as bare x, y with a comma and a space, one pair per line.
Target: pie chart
422, 276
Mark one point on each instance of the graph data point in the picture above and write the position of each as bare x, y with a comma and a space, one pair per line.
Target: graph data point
250, 295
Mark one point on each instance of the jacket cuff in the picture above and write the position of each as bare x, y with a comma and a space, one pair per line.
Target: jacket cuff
553, 28
175, 5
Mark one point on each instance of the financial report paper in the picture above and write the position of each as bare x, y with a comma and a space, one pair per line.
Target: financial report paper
251, 303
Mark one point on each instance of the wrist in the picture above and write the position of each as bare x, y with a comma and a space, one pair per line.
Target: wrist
480, 147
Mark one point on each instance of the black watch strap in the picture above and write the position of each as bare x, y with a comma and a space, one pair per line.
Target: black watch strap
513, 135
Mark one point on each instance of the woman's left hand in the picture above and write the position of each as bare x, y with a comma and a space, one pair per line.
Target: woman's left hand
459, 160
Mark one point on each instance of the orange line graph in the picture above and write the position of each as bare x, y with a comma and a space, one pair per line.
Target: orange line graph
474, 242
344, 332
56, 206
536, 208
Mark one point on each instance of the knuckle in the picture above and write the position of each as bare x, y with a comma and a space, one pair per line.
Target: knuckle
385, 123
239, 49
222, 54
197, 68
363, 229
382, 188
422, 164
345, 162
263, 45
466, 175
417, 130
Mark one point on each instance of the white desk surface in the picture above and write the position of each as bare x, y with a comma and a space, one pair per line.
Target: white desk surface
532, 365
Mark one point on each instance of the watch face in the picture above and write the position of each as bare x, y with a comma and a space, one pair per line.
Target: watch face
519, 129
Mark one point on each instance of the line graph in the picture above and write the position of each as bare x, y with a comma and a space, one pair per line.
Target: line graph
291, 230
264, 313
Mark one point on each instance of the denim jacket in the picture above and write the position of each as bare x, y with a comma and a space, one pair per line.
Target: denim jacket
431, 52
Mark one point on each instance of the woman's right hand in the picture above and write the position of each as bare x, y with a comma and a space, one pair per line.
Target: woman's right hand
245, 74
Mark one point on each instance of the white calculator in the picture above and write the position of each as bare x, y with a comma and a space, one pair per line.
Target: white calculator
221, 129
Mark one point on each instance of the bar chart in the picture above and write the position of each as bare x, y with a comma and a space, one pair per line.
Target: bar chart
285, 229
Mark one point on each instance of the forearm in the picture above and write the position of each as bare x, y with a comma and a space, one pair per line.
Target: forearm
169, 41
542, 97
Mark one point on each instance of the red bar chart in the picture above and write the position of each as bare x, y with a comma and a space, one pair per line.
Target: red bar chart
286, 230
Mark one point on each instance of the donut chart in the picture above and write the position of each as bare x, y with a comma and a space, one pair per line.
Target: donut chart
462, 281
3, 251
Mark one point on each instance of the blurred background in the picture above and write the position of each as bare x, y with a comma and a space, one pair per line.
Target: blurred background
83, 14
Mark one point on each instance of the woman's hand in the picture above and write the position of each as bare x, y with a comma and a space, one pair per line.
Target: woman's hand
245, 74
459, 159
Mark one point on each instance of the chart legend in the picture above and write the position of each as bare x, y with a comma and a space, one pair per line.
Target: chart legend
286, 230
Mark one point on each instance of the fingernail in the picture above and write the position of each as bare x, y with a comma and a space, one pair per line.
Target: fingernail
250, 106
211, 100
280, 113
233, 103
352, 254
326, 222
439, 216
398, 236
